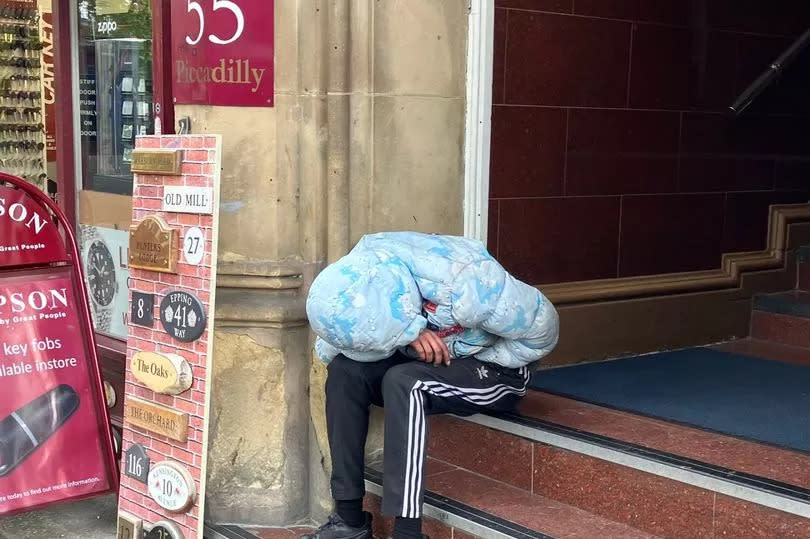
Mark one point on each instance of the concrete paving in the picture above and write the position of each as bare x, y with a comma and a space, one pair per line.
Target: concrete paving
88, 519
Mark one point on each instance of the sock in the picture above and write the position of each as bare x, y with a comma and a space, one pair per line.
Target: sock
351, 511
407, 527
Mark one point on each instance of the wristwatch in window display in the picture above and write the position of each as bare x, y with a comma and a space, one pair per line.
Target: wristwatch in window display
99, 266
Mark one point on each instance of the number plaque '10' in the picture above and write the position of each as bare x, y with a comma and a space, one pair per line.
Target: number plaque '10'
171, 486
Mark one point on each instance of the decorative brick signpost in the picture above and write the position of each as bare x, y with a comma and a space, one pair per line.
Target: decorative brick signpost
172, 256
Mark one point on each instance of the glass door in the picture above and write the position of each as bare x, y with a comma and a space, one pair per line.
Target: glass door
115, 105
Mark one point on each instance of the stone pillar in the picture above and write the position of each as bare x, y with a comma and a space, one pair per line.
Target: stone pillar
396, 103
366, 134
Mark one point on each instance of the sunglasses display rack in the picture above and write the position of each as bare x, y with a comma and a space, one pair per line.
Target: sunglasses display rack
22, 134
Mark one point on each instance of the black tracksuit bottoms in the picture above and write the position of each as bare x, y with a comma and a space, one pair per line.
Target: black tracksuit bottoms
409, 391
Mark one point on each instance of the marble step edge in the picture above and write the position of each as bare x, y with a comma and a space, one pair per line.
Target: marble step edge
226, 531
751, 488
785, 303
461, 516
445, 510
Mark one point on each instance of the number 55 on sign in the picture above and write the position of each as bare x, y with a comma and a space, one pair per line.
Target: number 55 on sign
223, 52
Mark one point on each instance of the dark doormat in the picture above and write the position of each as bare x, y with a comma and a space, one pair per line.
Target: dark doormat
761, 400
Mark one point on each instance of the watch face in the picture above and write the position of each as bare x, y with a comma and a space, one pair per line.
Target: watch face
101, 273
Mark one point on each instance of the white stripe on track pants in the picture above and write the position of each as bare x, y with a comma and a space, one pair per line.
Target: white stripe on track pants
409, 391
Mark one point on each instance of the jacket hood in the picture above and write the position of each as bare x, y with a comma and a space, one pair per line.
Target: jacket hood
366, 305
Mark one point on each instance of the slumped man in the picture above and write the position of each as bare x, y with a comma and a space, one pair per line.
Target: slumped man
419, 324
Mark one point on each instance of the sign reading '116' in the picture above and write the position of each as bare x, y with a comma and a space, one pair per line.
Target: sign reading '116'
223, 52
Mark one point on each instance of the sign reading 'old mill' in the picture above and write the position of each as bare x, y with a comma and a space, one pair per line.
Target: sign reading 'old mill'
165, 161
188, 199
153, 245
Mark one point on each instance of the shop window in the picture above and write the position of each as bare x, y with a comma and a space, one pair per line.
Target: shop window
22, 128
115, 106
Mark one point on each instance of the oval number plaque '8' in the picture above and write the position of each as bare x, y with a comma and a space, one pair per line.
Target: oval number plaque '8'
171, 486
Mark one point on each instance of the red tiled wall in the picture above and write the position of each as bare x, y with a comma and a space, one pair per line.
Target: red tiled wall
611, 155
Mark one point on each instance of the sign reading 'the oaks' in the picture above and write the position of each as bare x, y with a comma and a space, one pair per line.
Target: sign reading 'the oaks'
223, 52
168, 374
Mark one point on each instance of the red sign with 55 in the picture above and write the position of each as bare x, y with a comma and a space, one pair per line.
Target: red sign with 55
222, 52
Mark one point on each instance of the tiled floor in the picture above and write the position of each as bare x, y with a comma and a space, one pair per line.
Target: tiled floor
530, 510
516, 505
562, 478
727, 451
734, 453
767, 350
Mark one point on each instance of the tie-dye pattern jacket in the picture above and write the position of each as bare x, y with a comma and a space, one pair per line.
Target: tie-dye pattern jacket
378, 298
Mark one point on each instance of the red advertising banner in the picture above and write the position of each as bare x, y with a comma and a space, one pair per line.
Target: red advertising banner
55, 441
222, 52
50, 430
27, 234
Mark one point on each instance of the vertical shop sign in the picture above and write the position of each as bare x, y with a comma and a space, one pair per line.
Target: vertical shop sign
55, 439
222, 52
48, 86
168, 376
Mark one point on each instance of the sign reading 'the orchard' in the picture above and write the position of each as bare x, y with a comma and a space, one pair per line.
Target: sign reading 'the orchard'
223, 52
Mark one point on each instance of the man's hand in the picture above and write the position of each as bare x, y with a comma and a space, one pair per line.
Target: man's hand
431, 348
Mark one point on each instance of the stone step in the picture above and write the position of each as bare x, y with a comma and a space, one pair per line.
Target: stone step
766, 350
669, 482
460, 504
220, 531
782, 318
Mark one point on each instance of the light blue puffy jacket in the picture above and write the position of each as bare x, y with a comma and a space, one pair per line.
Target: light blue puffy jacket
378, 298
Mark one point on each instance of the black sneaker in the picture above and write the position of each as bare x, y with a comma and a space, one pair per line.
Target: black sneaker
336, 528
